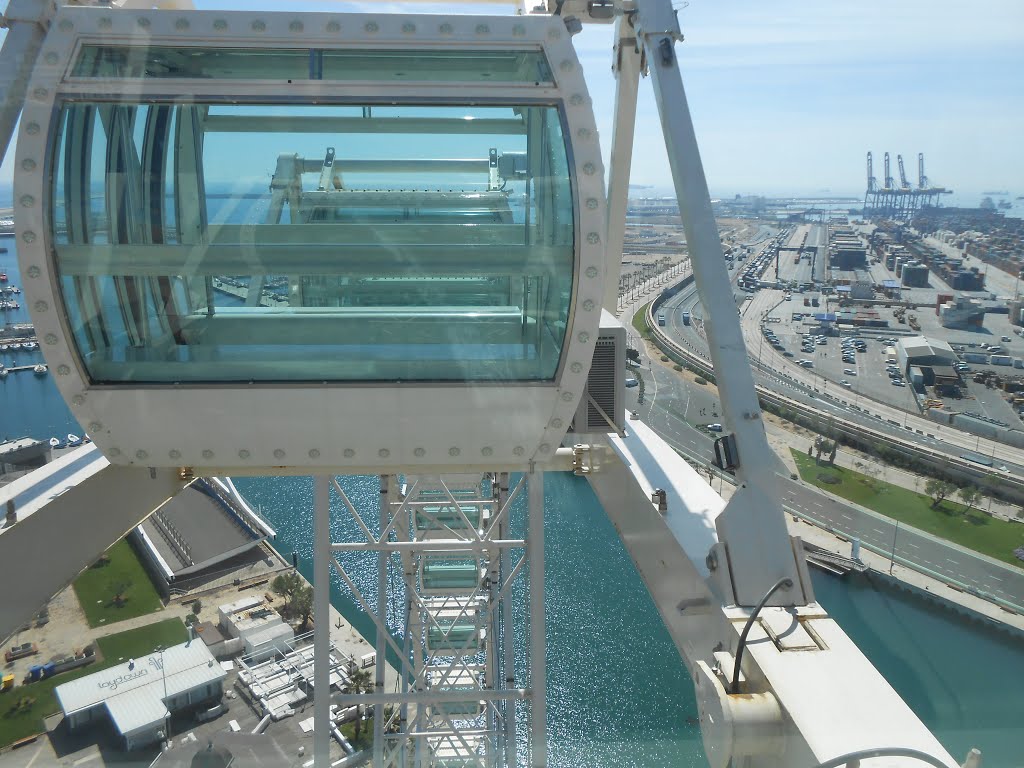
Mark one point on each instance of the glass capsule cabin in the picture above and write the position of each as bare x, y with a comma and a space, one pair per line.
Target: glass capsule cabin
250, 211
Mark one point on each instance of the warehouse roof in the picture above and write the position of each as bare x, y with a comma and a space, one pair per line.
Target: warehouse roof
921, 346
134, 692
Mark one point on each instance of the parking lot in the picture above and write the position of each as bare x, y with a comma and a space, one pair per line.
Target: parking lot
862, 367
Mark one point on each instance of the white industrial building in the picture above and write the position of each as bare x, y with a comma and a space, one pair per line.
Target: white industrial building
139, 696
924, 352
262, 631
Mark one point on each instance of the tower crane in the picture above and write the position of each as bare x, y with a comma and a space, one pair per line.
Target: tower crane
890, 183
381, 366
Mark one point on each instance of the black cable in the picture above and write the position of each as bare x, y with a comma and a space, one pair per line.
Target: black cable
783, 582
863, 754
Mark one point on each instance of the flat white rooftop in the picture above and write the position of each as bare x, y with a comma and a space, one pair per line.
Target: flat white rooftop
134, 692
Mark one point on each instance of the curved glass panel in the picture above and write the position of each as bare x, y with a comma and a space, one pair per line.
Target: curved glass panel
206, 242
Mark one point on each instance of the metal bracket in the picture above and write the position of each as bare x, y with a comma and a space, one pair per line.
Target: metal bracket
736, 727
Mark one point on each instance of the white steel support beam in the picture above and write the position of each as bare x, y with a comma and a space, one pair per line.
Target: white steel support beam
322, 622
791, 697
76, 506
507, 619
626, 68
430, 546
753, 526
383, 557
26, 22
538, 632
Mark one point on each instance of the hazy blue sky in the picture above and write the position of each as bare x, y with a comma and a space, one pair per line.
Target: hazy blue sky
788, 96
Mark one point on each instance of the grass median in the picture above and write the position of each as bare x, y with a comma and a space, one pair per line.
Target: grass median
970, 528
640, 321
22, 709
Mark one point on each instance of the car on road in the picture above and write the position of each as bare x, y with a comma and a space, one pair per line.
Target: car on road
806, 363
787, 354
631, 382
849, 371
714, 427
899, 383
845, 383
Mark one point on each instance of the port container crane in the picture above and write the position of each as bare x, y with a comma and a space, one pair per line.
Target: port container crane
904, 184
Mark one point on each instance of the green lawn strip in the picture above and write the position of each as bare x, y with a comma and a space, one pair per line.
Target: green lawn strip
139, 642
974, 530
98, 585
18, 722
365, 740
640, 320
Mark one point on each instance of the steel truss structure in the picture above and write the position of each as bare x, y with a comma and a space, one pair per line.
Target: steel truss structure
448, 539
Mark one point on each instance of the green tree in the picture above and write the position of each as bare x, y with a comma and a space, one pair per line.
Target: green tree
939, 490
970, 495
300, 606
287, 584
832, 453
991, 484
119, 590
197, 606
359, 682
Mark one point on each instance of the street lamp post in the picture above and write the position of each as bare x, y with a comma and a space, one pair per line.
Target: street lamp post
892, 555
167, 717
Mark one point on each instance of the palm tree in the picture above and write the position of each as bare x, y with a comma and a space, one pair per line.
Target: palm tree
359, 682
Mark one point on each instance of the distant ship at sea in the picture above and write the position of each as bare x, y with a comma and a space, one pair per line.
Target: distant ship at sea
996, 194
1005, 204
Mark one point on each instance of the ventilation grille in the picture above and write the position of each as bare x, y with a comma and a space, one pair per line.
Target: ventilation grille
601, 385
606, 381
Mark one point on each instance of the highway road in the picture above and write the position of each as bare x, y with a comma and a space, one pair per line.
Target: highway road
668, 404
781, 375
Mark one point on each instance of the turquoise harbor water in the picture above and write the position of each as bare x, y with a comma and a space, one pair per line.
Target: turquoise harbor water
618, 694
